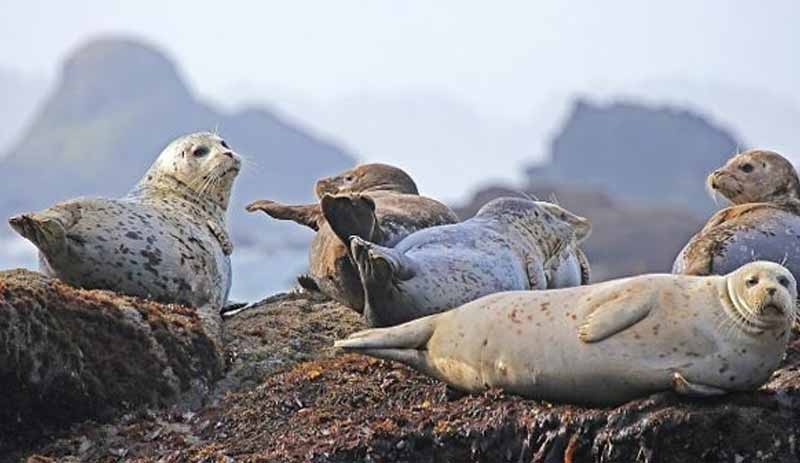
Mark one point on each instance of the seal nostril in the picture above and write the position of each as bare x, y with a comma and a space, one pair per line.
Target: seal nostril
228, 153
772, 291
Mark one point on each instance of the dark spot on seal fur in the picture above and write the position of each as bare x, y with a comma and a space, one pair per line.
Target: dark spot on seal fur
133, 235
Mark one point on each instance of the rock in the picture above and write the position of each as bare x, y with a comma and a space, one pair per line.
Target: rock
344, 408
68, 354
647, 154
117, 102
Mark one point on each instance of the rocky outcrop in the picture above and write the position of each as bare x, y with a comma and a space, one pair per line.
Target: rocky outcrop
304, 402
656, 155
117, 102
68, 354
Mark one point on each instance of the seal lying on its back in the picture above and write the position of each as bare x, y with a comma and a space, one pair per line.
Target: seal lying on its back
510, 244
763, 224
606, 343
376, 202
165, 240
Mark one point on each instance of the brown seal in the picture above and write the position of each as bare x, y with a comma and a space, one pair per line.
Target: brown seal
762, 224
376, 202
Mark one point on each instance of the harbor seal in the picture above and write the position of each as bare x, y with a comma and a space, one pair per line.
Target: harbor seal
606, 343
510, 244
166, 240
377, 202
762, 224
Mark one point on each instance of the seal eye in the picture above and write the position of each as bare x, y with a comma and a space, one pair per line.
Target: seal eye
349, 178
746, 168
225, 145
200, 151
752, 281
783, 282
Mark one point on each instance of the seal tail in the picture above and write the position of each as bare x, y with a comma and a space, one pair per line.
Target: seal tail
351, 215
404, 343
46, 232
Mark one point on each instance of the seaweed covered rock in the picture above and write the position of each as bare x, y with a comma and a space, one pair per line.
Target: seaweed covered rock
68, 354
304, 402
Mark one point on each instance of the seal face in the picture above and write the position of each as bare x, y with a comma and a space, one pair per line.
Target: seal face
756, 176
165, 240
763, 223
375, 202
510, 244
607, 343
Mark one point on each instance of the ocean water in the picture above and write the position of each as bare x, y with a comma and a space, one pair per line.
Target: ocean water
258, 272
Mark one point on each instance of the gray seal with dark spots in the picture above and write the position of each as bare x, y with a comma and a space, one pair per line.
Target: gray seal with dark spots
606, 343
762, 224
376, 202
166, 240
510, 244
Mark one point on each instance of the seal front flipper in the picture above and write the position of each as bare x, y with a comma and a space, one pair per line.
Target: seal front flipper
617, 313
586, 269
309, 215
686, 388
222, 237
352, 215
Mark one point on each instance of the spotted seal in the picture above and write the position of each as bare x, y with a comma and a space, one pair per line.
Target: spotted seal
510, 244
166, 240
606, 343
762, 224
377, 202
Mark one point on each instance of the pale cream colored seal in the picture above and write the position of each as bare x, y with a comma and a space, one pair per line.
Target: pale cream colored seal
606, 343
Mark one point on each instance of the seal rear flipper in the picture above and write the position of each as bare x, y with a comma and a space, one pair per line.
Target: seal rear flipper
309, 215
352, 215
45, 231
617, 313
380, 265
404, 343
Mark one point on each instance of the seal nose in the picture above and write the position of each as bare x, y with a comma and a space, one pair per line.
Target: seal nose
228, 153
772, 290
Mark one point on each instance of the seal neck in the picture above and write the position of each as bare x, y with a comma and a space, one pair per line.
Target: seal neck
167, 185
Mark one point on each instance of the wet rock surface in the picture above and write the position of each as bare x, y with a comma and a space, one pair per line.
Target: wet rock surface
288, 396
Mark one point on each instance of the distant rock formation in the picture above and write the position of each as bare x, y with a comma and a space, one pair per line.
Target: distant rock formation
626, 239
20, 94
638, 153
117, 103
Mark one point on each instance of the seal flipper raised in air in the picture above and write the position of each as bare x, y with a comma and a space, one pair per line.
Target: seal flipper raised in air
352, 215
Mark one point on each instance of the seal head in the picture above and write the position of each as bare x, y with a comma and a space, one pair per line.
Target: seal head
367, 178
756, 176
760, 297
200, 162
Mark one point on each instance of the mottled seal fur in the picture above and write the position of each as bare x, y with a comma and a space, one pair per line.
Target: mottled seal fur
762, 224
510, 244
166, 240
376, 202
606, 343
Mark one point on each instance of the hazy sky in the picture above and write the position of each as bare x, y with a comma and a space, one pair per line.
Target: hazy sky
504, 60
487, 53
